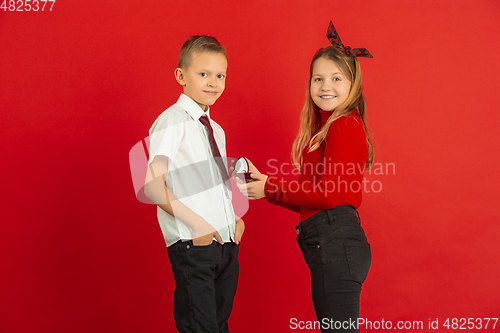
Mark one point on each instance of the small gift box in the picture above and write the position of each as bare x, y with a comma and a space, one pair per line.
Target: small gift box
241, 168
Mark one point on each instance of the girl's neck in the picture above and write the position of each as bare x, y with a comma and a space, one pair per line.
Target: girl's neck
324, 115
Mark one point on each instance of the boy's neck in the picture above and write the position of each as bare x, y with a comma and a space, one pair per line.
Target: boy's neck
203, 107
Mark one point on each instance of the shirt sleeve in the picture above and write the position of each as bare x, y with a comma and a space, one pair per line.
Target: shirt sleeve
166, 135
344, 142
293, 208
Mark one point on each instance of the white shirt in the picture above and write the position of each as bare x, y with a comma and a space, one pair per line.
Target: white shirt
193, 176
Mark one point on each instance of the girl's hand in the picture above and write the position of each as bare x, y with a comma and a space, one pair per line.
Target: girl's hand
251, 168
253, 190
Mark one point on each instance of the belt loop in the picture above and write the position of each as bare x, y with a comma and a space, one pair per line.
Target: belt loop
357, 214
331, 219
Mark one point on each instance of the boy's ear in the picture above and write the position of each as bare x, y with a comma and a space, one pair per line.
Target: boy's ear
179, 76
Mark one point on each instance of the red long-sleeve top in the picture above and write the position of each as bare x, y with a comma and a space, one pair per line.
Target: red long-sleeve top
330, 176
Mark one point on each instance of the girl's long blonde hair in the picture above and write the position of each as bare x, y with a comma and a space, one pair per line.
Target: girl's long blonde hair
310, 132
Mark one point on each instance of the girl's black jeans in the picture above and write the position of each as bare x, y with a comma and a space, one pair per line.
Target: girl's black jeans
338, 255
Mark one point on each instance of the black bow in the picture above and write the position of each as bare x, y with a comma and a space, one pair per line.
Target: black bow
334, 38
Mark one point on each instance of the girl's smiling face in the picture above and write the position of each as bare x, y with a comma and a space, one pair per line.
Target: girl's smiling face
329, 87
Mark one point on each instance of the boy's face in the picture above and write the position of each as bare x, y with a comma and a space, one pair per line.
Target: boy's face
204, 79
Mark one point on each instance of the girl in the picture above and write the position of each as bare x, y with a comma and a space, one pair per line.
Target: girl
331, 151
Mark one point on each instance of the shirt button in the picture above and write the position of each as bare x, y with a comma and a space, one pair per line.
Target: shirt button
298, 231
187, 247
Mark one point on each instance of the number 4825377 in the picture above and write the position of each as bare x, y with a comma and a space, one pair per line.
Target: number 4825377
26, 5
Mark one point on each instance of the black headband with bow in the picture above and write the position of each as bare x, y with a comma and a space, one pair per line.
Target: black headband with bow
334, 38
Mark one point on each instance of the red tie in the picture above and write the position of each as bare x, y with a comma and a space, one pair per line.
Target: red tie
215, 150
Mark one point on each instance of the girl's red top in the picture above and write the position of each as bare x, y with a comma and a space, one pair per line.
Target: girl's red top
330, 176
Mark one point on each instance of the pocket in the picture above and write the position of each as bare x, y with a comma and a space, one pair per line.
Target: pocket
309, 238
201, 246
311, 252
359, 259
202, 256
311, 243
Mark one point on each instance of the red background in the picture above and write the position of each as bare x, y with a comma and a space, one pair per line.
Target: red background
80, 85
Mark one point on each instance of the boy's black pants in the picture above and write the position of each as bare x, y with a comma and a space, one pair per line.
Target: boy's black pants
205, 284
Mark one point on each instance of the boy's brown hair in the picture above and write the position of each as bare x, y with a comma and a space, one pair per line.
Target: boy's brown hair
196, 45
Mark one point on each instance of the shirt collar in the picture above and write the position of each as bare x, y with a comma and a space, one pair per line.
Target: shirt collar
192, 108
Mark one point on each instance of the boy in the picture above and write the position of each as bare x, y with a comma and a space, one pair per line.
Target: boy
188, 180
